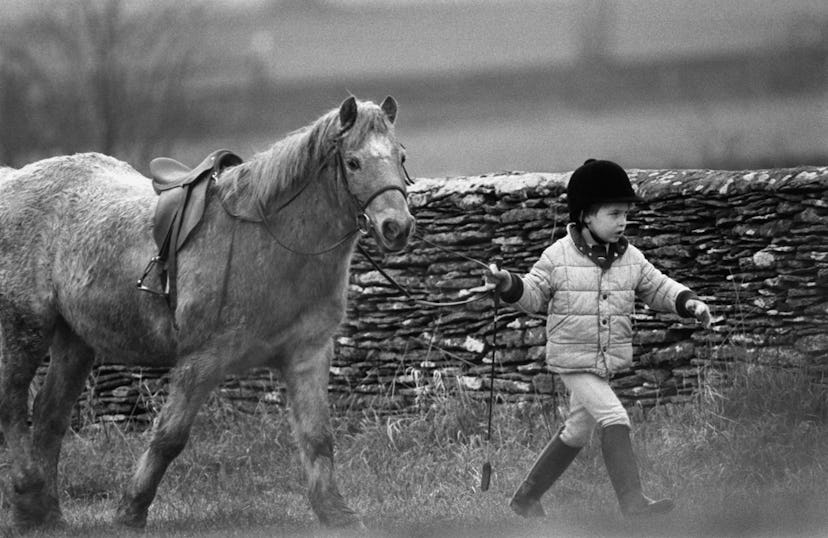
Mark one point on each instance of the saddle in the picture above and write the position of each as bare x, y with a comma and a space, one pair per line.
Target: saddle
182, 197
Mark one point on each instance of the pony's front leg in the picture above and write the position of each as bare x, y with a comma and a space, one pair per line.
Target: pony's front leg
189, 387
306, 378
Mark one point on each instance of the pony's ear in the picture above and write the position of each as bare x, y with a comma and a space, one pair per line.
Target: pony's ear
389, 106
348, 113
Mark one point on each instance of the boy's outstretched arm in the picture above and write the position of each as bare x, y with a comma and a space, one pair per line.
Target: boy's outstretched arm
662, 292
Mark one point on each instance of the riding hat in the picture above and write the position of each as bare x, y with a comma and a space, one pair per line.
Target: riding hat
597, 182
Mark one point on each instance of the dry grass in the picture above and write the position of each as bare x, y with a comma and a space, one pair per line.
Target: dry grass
748, 460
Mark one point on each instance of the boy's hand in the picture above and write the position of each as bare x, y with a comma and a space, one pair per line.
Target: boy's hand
499, 278
700, 310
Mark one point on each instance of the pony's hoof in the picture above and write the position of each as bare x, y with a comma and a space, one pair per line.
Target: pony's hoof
354, 525
345, 521
24, 523
54, 521
130, 523
357, 525
32, 508
527, 507
125, 518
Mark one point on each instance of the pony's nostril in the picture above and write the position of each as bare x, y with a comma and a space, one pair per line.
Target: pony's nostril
390, 230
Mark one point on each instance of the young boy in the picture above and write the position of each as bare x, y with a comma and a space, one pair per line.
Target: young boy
587, 282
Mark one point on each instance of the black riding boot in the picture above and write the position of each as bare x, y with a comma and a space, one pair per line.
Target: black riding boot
549, 466
623, 473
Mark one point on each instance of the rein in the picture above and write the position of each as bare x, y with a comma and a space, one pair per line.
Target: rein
407, 293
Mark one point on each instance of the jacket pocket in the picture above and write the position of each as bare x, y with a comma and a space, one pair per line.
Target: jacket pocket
555, 324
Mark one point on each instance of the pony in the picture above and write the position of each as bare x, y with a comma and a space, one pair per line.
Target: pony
262, 282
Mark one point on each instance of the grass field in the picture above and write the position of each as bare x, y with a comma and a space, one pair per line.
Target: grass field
749, 460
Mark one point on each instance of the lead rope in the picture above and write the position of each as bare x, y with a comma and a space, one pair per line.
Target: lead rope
486, 474
402, 289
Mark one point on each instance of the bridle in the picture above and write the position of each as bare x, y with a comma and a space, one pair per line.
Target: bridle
362, 222
362, 225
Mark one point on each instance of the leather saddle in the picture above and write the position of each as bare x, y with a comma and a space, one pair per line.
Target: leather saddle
182, 197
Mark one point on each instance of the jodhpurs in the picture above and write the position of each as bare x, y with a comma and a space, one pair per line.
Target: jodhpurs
592, 401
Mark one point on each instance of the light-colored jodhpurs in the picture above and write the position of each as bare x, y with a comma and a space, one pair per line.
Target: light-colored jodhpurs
592, 401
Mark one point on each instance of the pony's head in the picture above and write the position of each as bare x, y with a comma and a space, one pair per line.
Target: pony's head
370, 159
356, 145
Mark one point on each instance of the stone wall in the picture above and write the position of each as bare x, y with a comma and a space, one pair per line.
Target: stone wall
753, 244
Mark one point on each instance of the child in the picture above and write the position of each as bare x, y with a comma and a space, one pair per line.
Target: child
587, 282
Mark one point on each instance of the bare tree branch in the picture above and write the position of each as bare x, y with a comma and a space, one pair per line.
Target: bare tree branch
97, 75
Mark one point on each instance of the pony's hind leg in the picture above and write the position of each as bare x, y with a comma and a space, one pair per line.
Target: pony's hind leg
190, 385
306, 379
23, 345
69, 365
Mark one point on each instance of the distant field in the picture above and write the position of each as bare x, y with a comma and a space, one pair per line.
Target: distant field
488, 86
322, 41
761, 133
494, 86
479, 136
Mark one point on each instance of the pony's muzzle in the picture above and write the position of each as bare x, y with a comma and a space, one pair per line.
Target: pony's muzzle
391, 223
396, 232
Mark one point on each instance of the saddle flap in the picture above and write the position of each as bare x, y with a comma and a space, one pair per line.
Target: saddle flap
193, 212
166, 211
184, 206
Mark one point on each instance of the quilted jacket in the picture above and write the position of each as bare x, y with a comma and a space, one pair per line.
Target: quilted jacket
588, 294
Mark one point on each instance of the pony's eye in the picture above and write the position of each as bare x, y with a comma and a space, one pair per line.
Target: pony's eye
353, 163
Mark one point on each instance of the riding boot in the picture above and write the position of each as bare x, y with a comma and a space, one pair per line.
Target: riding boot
623, 472
549, 466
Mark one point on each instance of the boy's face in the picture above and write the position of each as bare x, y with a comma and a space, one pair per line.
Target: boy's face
608, 221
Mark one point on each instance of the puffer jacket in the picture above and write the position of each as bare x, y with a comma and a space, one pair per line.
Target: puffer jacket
589, 296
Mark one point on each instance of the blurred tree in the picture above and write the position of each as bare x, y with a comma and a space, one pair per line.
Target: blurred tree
595, 32
96, 75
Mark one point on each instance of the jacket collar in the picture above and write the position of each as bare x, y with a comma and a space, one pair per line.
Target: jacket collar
601, 255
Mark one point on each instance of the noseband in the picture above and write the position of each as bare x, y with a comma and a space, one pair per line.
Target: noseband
364, 224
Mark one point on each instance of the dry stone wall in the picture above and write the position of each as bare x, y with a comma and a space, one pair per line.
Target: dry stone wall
754, 244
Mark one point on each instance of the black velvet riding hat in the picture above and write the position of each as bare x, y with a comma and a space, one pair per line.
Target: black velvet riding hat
597, 182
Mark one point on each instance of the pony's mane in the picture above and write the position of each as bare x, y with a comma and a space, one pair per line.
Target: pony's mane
295, 158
